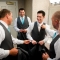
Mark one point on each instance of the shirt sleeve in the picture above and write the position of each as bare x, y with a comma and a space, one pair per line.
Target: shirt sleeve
29, 30
17, 41
50, 31
47, 36
3, 53
29, 21
15, 25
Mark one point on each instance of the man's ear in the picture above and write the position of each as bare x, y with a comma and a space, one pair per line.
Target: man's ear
7, 16
44, 16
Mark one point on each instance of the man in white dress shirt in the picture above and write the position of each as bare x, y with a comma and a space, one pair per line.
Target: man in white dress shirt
21, 24
36, 33
7, 50
55, 44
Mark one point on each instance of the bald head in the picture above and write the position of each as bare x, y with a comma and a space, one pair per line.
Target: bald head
56, 19
56, 15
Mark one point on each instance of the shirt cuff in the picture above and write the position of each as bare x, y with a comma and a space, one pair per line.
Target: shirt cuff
44, 41
49, 59
22, 42
6, 53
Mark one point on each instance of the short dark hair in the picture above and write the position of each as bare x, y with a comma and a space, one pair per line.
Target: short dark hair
21, 9
41, 11
3, 12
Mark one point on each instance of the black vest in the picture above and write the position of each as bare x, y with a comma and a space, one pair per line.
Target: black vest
22, 26
52, 50
7, 43
36, 35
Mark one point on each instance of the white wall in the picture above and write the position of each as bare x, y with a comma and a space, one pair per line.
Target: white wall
40, 5
28, 8
21, 3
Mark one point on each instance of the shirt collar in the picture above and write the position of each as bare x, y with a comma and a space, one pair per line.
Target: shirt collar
23, 17
39, 24
4, 24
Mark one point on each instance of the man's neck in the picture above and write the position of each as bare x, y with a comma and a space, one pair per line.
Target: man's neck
4, 19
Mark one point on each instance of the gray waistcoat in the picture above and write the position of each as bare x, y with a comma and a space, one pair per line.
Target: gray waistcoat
36, 34
22, 26
7, 43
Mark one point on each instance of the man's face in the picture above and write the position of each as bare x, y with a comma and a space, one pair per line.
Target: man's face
55, 23
40, 17
9, 18
22, 13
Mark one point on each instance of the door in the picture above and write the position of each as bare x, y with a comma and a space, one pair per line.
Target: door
13, 7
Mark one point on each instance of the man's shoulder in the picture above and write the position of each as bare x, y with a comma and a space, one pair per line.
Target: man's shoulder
1, 29
27, 17
47, 24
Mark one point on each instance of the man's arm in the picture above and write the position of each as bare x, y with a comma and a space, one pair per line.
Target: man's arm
48, 30
29, 30
28, 34
15, 25
17, 41
3, 53
29, 20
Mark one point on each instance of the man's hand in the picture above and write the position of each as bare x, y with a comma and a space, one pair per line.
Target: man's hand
24, 30
26, 41
41, 42
13, 51
43, 26
34, 42
45, 56
21, 30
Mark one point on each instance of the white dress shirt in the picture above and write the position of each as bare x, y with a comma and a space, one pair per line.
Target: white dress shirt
31, 28
15, 23
50, 32
57, 49
5, 53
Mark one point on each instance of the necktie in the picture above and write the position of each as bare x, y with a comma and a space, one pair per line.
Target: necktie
8, 29
22, 20
54, 35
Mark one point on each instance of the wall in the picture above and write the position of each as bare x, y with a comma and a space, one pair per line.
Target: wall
21, 3
40, 5
28, 8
